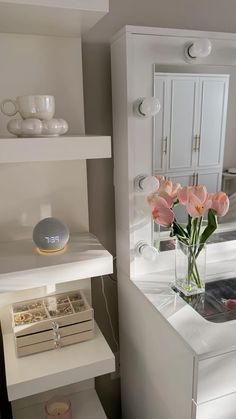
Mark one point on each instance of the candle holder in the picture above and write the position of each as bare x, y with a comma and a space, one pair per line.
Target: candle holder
58, 407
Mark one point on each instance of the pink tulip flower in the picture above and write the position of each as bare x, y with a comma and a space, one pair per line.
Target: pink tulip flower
166, 186
163, 216
196, 200
175, 189
161, 209
153, 200
200, 191
220, 203
184, 193
196, 208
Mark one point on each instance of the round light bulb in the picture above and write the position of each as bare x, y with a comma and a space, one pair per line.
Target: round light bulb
149, 107
149, 253
200, 48
149, 184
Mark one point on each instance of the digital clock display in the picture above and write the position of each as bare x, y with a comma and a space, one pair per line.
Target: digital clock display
52, 239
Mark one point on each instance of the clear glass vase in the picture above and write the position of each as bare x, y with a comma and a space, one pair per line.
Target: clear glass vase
190, 268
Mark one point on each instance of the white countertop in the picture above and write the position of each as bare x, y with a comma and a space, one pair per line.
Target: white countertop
203, 337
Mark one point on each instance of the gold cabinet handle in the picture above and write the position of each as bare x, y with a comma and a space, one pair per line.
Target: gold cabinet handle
195, 141
197, 179
164, 145
198, 142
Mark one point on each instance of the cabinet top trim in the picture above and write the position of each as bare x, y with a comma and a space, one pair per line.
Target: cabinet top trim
146, 30
199, 75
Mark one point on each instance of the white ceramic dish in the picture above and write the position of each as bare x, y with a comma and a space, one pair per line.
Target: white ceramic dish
33, 127
232, 171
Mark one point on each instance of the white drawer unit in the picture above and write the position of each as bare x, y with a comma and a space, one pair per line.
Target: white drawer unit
216, 377
222, 408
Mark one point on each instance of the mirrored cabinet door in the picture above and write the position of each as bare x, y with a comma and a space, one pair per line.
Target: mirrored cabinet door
189, 134
212, 180
213, 112
179, 119
183, 122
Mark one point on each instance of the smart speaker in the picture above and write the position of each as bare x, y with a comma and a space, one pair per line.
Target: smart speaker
51, 235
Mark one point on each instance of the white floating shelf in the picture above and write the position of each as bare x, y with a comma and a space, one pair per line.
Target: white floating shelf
17, 150
85, 405
51, 17
57, 368
21, 267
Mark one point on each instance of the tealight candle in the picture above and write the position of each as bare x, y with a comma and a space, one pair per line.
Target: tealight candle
58, 408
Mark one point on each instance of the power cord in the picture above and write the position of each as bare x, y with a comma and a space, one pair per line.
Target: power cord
107, 309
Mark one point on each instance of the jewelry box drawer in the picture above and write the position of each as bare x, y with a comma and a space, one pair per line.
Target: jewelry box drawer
50, 335
51, 344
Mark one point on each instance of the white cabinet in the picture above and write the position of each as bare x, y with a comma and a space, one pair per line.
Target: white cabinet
161, 128
176, 123
189, 131
211, 179
183, 370
222, 408
215, 396
213, 109
182, 123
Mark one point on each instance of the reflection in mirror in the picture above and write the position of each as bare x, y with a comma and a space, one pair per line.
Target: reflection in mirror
195, 130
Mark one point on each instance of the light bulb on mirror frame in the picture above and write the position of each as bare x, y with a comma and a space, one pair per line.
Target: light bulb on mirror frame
145, 250
146, 107
200, 48
145, 183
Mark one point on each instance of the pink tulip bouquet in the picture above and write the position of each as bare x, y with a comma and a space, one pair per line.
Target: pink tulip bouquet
191, 239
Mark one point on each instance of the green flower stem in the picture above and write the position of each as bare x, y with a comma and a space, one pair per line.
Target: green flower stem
193, 241
193, 273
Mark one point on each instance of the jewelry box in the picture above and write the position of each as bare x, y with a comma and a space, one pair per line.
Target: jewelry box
51, 322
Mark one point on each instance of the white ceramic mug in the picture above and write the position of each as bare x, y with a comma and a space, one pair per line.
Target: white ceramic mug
38, 106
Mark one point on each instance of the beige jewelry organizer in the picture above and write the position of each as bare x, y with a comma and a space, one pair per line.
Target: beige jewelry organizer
51, 322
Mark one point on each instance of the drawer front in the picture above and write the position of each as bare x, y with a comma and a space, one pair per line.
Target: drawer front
47, 324
49, 345
49, 335
216, 377
223, 408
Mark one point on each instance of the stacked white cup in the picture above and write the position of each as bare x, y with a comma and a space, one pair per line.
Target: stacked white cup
37, 112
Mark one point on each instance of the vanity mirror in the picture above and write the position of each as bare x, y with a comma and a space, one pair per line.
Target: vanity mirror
191, 140
194, 134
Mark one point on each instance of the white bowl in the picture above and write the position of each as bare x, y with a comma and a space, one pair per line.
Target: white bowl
33, 127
